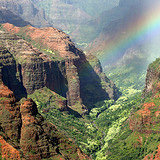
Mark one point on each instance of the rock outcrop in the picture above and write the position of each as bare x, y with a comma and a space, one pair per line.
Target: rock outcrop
57, 65
29, 134
42, 72
8, 151
146, 119
36, 132
145, 122
145, 126
153, 156
152, 84
24, 134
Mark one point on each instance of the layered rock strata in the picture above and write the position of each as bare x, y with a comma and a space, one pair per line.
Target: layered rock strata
28, 135
58, 65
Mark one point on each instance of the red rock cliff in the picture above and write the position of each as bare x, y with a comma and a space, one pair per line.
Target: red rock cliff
57, 65
25, 134
145, 122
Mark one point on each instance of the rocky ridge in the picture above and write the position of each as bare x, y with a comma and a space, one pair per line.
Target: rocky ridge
28, 135
57, 64
145, 122
152, 84
24, 133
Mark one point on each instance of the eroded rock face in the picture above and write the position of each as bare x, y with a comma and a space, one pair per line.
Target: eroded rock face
36, 132
8, 151
23, 69
152, 156
10, 115
31, 67
51, 37
73, 83
10, 72
62, 67
152, 84
146, 117
145, 122
9, 108
27, 131
22, 127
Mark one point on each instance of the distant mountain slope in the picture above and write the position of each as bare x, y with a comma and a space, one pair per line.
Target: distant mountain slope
27, 10
86, 6
130, 70
128, 35
69, 15
115, 28
8, 16
65, 15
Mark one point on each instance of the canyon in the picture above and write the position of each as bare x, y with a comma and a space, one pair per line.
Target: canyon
56, 101
56, 64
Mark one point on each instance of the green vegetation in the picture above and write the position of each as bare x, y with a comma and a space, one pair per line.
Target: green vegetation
111, 121
46, 99
54, 55
122, 143
71, 126
155, 64
1, 27
131, 75
92, 132
100, 107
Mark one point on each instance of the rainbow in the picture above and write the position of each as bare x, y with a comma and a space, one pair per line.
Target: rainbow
147, 24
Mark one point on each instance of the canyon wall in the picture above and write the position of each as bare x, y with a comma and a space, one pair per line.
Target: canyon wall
51, 60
